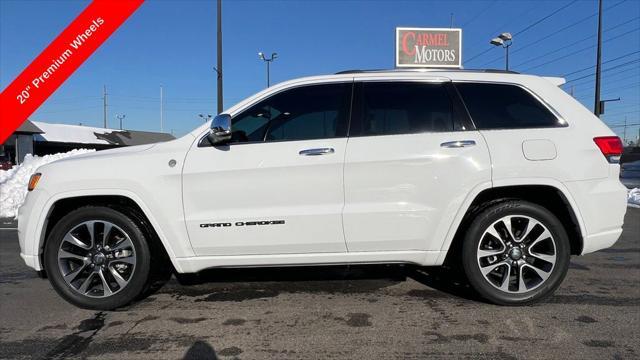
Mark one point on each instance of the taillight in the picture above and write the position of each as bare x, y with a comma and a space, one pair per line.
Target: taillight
610, 146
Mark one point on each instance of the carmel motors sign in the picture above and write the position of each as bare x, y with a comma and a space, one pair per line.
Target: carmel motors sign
428, 47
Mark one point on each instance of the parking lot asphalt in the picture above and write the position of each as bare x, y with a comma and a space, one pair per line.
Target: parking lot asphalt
338, 312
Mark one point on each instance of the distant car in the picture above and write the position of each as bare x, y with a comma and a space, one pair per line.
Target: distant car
5, 163
630, 174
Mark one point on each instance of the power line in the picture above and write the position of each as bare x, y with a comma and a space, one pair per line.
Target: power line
578, 51
537, 41
592, 66
481, 12
612, 68
504, 25
530, 26
627, 125
567, 27
624, 113
544, 18
618, 107
608, 93
574, 43
615, 122
610, 77
609, 90
619, 87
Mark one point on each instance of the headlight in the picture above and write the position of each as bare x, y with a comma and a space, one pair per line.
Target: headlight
33, 181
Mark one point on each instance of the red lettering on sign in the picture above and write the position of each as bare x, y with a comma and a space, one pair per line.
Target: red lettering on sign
404, 43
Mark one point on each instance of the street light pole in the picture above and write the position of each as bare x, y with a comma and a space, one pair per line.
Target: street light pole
268, 61
268, 73
503, 40
507, 57
120, 118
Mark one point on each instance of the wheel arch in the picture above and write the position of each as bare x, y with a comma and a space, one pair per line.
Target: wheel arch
551, 195
60, 205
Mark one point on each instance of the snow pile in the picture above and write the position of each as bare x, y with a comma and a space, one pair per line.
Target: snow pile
634, 198
13, 182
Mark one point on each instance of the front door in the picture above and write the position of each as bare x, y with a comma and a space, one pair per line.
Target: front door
277, 188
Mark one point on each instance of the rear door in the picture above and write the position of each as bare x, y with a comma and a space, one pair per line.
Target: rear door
412, 158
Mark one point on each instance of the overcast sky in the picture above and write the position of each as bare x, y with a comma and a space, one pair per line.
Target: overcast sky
173, 43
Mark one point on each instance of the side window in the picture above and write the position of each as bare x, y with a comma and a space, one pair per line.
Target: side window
310, 112
389, 108
503, 106
250, 125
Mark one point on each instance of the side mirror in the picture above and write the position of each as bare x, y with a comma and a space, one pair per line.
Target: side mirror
220, 131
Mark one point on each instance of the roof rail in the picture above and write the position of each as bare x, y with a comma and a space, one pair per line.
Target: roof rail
358, 71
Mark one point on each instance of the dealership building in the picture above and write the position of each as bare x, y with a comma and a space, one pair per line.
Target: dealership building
40, 138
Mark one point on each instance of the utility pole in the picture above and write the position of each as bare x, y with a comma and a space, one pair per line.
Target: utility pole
161, 101
596, 107
104, 105
219, 57
624, 132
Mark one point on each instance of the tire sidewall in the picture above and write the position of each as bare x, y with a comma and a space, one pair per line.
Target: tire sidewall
140, 274
492, 214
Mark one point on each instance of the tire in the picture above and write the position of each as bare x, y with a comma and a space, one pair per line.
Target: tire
80, 268
537, 261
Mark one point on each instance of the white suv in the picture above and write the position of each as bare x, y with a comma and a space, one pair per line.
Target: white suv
501, 173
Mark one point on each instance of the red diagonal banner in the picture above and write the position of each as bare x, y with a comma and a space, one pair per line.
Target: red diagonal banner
60, 59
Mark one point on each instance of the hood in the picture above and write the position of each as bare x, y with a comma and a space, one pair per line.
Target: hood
122, 151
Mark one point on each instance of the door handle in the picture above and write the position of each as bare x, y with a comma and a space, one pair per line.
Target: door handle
316, 152
458, 144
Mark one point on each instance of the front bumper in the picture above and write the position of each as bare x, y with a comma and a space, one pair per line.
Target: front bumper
31, 221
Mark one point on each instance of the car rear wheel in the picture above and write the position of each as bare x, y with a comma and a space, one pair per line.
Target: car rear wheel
515, 253
97, 258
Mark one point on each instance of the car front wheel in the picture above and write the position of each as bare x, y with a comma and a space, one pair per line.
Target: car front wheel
97, 258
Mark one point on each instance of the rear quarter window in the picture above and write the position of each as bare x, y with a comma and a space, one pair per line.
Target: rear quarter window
504, 106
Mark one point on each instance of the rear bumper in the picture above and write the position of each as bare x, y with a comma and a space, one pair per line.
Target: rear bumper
602, 204
600, 241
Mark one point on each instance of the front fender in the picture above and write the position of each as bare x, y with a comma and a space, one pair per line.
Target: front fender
176, 243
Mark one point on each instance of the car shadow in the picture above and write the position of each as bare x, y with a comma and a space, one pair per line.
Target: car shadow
445, 280
246, 283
